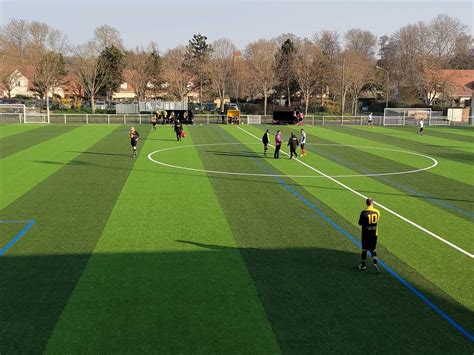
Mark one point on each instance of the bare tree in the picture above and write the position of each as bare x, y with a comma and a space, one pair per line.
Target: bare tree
48, 72
38, 33
239, 77
446, 31
308, 69
360, 41
260, 56
328, 43
177, 77
16, 32
107, 36
359, 73
90, 71
58, 42
221, 66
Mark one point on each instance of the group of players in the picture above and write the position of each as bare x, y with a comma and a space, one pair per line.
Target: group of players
293, 143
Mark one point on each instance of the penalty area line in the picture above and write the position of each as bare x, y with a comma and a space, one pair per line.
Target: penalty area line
431, 234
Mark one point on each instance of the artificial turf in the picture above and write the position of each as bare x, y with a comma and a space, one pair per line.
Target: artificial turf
130, 256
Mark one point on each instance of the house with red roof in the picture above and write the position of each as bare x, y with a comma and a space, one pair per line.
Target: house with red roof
458, 88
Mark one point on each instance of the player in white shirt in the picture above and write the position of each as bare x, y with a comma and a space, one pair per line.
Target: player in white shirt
302, 142
369, 120
422, 125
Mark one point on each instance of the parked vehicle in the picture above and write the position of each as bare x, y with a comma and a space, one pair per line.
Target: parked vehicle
209, 106
100, 105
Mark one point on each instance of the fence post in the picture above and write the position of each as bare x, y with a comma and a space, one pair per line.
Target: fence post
207, 119
124, 120
108, 119
313, 121
64, 115
139, 119
361, 120
87, 118
323, 121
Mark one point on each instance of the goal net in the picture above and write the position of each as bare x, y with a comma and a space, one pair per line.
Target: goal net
12, 113
254, 119
437, 119
36, 117
405, 116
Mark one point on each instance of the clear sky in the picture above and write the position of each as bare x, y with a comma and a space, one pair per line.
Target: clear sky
170, 23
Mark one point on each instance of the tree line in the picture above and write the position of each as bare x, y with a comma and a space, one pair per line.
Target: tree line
331, 70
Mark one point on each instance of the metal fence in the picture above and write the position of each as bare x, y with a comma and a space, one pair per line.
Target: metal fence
89, 118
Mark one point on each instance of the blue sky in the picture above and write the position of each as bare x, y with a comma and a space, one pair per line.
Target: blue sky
170, 23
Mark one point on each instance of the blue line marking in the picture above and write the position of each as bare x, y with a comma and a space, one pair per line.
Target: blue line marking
16, 238
358, 244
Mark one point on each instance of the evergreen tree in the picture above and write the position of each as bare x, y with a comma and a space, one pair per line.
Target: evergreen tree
115, 64
154, 70
197, 56
284, 67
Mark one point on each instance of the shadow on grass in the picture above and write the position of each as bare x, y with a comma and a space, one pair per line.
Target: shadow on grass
200, 300
262, 180
244, 154
101, 153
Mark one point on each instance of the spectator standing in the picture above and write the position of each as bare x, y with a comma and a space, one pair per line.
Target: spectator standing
276, 155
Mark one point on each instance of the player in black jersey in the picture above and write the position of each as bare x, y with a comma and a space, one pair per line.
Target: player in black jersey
368, 221
134, 137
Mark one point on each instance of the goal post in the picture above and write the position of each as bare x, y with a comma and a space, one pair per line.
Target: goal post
12, 113
254, 119
405, 116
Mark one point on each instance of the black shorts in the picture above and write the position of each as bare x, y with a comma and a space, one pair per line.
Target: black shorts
302, 145
133, 143
369, 242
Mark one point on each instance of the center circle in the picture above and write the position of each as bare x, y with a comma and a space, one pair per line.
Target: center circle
150, 157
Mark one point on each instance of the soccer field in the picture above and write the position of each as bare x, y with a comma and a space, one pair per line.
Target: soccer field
208, 246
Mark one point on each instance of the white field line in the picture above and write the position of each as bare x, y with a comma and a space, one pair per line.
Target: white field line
454, 246
150, 157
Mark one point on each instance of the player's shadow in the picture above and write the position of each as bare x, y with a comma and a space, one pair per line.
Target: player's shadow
100, 153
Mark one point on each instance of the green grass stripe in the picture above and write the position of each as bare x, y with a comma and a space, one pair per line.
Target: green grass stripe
415, 248
453, 164
71, 208
12, 129
304, 270
450, 195
24, 140
44, 159
409, 136
458, 131
148, 288
447, 134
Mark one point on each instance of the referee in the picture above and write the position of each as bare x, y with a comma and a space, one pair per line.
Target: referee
368, 221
